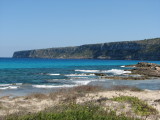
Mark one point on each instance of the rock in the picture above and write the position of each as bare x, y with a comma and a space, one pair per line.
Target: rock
100, 74
157, 68
125, 78
130, 66
158, 100
147, 69
144, 69
145, 64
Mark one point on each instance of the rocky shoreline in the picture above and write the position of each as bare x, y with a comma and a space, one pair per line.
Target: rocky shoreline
146, 69
140, 71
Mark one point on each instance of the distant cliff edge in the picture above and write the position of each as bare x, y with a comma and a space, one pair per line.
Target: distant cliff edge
148, 49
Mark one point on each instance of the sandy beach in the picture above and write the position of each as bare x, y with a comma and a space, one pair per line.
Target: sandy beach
38, 102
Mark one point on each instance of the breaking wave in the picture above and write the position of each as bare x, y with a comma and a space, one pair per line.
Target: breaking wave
80, 75
53, 74
88, 71
10, 86
122, 66
117, 71
76, 83
52, 86
82, 82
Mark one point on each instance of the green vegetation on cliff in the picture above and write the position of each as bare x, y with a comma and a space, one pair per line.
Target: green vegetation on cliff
148, 49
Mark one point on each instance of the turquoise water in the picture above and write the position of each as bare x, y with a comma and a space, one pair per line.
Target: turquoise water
37, 74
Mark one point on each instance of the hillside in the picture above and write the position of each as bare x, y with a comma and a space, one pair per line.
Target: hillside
148, 49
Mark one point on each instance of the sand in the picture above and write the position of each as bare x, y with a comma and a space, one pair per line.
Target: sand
33, 103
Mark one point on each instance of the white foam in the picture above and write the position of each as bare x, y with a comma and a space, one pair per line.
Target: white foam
19, 84
53, 74
9, 87
55, 79
52, 86
1, 85
3, 88
117, 71
89, 71
77, 83
82, 82
80, 75
122, 66
13, 87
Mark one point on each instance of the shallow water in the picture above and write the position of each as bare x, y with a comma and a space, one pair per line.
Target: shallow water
23, 76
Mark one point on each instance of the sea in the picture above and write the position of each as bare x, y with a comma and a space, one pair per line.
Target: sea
22, 76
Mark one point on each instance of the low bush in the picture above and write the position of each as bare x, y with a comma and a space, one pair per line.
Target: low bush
73, 112
140, 107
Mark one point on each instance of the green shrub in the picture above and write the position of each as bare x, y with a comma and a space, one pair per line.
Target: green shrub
73, 112
140, 107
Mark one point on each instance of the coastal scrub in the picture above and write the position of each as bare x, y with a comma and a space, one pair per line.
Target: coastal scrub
73, 112
140, 107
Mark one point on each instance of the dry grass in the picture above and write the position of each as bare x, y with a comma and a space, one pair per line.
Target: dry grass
124, 87
68, 95
71, 94
39, 96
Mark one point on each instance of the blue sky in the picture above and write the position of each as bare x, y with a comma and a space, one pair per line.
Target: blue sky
35, 24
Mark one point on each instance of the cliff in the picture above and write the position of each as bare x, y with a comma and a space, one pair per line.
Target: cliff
148, 49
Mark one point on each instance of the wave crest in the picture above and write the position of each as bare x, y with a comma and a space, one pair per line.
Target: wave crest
89, 71
80, 75
117, 71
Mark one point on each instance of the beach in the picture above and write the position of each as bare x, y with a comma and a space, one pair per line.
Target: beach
34, 103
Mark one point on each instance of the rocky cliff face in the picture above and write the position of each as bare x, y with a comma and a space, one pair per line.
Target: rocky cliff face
131, 50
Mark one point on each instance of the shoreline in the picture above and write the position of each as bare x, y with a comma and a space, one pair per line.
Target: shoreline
150, 84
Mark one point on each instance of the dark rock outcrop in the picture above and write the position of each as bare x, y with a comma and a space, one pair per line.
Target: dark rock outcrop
144, 71
128, 50
125, 78
147, 69
100, 74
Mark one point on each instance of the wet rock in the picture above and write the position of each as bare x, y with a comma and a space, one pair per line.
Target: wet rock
100, 74
144, 70
125, 78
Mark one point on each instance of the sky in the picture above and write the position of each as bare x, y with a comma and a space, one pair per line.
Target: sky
37, 24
